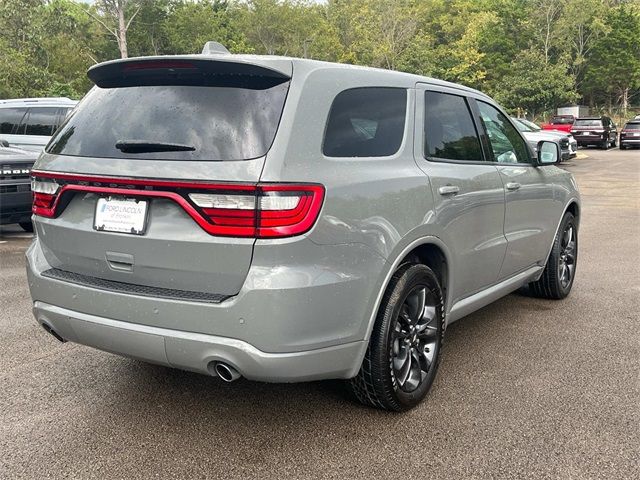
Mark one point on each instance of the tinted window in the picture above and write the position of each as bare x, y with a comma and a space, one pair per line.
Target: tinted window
210, 122
632, 126
448, 129
562, 120
42, 121
10, 119
523, 127
588, 123
366, 122
506, 143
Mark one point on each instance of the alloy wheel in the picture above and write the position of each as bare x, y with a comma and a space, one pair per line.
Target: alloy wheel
414, 339
567, 260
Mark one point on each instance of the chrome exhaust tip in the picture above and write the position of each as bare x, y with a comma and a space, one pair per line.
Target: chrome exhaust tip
226, 372
53, 333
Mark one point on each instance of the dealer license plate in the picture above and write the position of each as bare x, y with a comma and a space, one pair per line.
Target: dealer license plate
121, 215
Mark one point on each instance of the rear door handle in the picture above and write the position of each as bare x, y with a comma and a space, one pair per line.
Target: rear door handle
512, 186
448, 190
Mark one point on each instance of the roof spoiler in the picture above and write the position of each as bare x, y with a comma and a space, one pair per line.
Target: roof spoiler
195, 70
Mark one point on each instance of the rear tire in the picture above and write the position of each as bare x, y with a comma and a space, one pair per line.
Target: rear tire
26, 226
558, 275
405, 345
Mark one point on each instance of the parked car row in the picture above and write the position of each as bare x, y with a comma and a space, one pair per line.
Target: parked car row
599, 131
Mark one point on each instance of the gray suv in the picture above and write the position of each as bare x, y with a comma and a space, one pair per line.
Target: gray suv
288, 220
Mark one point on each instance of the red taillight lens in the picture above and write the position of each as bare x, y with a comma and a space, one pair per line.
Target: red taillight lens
233, 210
44, 196
272, 211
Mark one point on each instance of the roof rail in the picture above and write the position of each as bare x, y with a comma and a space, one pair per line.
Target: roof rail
36, 100
214, 48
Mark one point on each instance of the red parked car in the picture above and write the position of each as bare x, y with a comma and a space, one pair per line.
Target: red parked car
562, 123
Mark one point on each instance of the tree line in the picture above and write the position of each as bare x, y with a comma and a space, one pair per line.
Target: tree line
531, 55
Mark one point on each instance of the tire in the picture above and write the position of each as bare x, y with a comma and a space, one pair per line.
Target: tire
615, 142
384, 380
604, 145
622, 146
558, 275
26, 226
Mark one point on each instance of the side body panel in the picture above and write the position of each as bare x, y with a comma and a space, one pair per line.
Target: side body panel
470, 221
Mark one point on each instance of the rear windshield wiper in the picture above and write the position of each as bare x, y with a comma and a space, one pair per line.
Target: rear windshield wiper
139, 146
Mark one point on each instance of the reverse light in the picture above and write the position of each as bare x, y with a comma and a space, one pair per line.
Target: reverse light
44, 196
47, 186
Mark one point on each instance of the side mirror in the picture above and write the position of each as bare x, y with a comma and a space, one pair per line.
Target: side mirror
548, 153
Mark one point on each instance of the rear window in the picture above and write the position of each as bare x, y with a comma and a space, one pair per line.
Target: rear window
366, 122
562, 120
201, 122
632, 126
588, 123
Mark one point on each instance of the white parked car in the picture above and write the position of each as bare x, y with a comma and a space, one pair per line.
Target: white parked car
29, 122
533, 133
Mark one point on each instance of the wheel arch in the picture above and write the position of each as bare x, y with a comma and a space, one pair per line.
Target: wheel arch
430, 251
574, 208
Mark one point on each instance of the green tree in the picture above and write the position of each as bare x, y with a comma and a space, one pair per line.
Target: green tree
535, 86
613, 69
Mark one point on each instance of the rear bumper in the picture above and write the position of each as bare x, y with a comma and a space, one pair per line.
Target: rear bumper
589, 139
287, 324
15, 206
198, 352
630, 141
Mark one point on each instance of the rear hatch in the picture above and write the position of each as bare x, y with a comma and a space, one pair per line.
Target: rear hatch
587, 128
119, 192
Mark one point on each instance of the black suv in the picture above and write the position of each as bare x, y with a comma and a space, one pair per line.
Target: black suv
630, 134
600, 131
15, 186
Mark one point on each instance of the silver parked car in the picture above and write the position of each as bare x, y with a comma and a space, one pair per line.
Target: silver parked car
533, 133
29, 122
286, 220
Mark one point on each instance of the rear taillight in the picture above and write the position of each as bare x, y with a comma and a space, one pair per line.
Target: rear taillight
44, 191
270, 211
233, 210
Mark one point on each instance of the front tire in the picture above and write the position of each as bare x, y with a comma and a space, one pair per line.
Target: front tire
557, 279
404, 349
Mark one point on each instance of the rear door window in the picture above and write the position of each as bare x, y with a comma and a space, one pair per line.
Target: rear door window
10, 119
366, 122
449, 131
215, 123
42, 120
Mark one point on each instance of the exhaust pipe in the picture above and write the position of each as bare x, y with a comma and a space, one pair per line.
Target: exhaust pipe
55, 334
226, 372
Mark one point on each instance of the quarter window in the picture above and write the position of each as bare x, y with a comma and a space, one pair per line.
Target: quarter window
10, 119
366, 122
448, 129
506, 143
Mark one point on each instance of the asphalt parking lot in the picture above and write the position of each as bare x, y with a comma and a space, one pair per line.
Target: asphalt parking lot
527, 388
